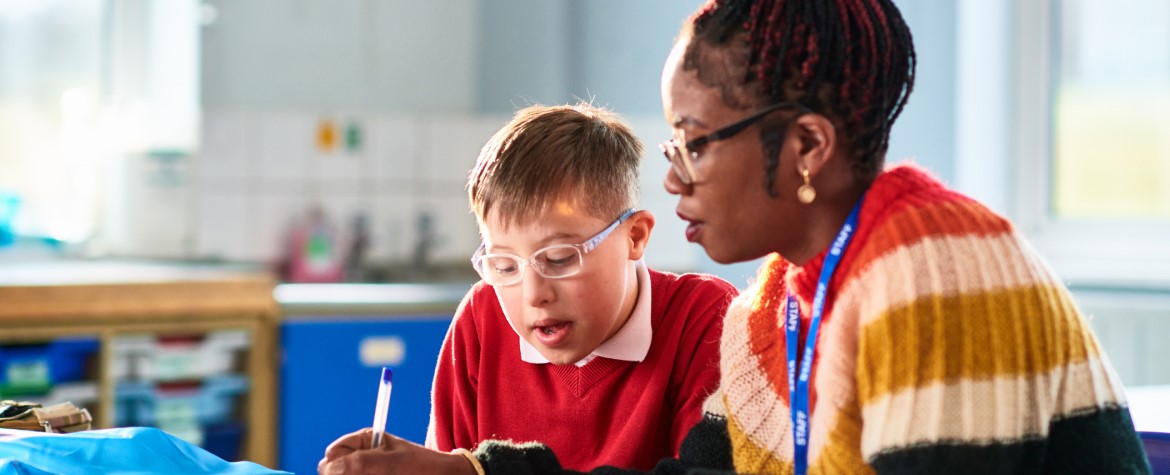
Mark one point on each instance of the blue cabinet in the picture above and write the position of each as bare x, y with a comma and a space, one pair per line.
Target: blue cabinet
329, 379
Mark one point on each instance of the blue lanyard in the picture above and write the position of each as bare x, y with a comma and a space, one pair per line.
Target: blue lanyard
798, 387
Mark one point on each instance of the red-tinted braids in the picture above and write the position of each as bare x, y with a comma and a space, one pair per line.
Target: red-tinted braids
851, 60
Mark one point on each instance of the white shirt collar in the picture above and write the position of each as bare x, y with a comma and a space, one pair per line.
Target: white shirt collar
631, 343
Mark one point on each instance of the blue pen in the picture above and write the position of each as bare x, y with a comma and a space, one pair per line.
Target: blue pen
382, 406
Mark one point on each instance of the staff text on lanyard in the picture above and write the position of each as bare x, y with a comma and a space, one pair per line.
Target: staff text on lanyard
798, 393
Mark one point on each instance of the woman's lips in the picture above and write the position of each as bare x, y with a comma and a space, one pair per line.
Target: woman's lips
694, 227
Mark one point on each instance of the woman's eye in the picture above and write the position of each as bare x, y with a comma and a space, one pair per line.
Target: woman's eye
697, 151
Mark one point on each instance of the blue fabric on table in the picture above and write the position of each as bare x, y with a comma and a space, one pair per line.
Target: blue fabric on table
137, 450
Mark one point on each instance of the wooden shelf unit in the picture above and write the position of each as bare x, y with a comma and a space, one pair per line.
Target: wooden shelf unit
179, 304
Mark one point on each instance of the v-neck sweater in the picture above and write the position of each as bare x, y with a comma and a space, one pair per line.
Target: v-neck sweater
607, 412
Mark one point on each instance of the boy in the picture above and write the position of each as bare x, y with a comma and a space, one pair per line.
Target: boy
570, 340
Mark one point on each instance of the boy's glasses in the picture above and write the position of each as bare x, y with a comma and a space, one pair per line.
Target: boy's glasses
682, 154
553, 262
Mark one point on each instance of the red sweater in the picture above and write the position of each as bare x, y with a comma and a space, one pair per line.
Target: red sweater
607, 412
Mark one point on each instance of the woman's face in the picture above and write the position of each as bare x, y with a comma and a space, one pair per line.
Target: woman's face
727, 207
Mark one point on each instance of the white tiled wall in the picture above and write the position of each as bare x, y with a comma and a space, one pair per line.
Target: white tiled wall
393, 223
260, 171
395, 141
284, 147
451, 145
226, 158
223, 215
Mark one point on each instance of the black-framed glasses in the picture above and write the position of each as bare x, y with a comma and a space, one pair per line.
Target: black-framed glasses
682, 155
554, 262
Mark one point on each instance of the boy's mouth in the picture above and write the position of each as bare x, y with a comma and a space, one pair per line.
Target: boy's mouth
693, 230
551, 332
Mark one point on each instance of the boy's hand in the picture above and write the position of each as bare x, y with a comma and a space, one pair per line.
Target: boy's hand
351, 454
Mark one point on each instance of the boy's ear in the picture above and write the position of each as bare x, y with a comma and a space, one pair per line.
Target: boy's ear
641, 223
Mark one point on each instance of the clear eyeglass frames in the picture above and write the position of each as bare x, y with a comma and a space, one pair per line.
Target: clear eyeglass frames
553, 262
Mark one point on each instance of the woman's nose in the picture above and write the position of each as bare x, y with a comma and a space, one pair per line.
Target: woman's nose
673, 184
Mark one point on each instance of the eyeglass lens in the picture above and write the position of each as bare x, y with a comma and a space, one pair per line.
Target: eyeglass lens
674, 153
553, 262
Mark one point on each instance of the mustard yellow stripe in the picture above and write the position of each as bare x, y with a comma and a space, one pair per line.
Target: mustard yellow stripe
752, 458
841, 452
946, 266
1016, 331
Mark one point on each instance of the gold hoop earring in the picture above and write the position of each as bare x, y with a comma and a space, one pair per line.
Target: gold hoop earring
806, 193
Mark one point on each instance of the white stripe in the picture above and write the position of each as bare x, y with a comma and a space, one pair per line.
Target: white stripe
714, 404
751, 402
982, 412
942, 267
836, 381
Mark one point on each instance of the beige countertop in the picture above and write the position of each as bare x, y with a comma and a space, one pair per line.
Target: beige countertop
66, 289
327, 300
69, 291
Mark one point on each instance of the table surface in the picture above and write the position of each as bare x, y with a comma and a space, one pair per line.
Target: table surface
1150, 407
299, 300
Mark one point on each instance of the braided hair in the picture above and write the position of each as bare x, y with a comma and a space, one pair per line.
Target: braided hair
851, 60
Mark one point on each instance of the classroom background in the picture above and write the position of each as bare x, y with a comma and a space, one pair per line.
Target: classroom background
222, 218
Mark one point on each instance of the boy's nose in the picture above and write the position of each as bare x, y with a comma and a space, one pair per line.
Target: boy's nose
537, 289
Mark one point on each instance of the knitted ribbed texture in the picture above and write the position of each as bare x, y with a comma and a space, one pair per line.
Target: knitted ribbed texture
947, 345
580, 379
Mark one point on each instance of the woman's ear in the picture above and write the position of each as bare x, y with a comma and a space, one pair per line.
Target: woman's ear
641, 223
817, 138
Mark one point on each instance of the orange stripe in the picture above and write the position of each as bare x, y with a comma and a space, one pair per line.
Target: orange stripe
763, 327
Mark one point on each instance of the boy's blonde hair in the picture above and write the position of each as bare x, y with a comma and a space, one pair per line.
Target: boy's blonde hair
580, 153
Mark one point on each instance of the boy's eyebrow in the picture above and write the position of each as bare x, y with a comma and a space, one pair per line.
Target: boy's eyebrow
494, 247
556, 236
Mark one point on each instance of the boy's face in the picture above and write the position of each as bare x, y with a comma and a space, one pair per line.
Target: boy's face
566, 319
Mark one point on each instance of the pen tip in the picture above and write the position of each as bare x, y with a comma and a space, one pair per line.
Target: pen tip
387, 375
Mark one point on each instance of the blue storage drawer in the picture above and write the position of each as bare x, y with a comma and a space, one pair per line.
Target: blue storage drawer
209, 402
329, 380
33, 369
